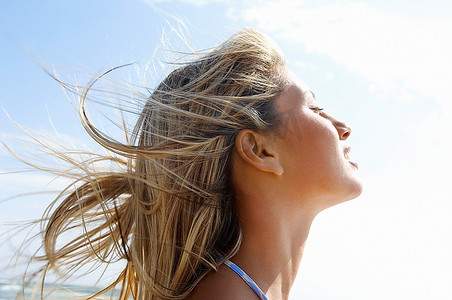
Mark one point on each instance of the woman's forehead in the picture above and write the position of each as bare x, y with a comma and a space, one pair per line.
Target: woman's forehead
294, 80
297, 88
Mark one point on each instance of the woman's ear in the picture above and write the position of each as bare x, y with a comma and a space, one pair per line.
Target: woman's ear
257, 151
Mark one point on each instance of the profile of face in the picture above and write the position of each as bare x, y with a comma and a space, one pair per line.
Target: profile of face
313, 150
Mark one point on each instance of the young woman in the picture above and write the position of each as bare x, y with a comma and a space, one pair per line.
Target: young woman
229, 163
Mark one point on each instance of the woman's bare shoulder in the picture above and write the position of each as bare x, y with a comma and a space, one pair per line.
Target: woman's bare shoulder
223, 284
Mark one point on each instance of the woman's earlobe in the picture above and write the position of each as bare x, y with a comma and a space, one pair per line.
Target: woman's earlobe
256, 151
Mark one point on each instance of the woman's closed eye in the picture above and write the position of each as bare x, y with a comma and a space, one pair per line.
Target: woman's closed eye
316, 109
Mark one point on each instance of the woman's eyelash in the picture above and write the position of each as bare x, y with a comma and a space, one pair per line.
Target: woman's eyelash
316, 109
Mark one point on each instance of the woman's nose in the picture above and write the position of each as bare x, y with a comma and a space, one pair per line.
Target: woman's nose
343, 129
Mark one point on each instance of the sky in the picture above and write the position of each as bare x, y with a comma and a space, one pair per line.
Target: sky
381, 66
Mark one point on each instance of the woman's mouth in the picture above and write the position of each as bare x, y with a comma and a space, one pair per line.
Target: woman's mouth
347, 150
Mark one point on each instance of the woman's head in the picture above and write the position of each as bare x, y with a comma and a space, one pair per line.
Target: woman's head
183, 143
300, 167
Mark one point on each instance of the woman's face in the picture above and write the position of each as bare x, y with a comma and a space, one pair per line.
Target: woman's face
313, 150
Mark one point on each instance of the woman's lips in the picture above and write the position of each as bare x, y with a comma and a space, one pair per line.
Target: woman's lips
353, 164
347, 150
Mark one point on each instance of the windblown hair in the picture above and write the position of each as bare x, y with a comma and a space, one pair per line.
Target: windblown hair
170, 213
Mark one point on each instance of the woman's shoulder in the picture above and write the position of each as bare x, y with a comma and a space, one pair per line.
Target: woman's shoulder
222, 284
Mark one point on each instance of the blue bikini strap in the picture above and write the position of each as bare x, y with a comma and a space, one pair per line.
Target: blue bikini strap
246, 278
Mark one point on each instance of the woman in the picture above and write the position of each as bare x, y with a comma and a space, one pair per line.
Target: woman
229, 163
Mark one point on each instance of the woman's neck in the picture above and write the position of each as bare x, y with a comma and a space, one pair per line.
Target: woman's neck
272, 246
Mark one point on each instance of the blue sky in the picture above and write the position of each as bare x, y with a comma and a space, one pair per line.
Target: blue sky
381, 66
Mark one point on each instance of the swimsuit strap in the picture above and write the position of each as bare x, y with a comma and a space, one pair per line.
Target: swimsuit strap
246, 278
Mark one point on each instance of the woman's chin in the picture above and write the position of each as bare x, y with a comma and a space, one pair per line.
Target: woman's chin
344, 195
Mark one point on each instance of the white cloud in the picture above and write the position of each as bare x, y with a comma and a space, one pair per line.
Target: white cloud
392, 51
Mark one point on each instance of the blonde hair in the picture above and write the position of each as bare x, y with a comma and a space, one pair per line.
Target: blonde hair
170, 213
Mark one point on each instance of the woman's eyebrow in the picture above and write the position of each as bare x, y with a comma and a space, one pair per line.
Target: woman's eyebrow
312, 93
